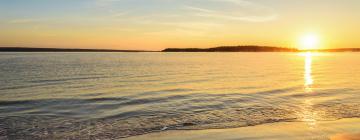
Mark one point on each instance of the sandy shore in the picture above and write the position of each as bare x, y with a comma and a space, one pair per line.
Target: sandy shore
344, 129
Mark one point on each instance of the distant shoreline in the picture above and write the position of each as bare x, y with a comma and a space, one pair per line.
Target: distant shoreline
29, 49
215, 49
256, 49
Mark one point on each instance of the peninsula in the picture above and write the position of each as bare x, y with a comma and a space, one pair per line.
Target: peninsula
233, 49
256, 49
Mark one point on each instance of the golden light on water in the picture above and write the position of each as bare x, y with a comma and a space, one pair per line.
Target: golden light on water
308, 80
306, 113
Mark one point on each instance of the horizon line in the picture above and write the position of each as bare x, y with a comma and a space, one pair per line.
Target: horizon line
289, 49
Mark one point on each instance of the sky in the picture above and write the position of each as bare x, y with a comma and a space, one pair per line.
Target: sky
159, 24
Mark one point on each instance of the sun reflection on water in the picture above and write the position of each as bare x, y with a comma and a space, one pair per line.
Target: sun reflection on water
307, 72
306, 112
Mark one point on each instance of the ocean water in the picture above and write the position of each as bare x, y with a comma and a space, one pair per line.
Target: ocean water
117, 95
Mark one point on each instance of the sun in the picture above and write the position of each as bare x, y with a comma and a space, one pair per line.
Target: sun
309, 42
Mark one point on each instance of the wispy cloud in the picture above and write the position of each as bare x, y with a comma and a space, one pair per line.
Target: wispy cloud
198, 17
199, 9
240, 14
104, 2
241, 18
24, 21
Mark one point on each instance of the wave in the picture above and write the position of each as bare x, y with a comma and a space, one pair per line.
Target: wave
142, 122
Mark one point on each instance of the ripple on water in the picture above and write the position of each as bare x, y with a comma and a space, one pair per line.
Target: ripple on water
116, 95
118, 126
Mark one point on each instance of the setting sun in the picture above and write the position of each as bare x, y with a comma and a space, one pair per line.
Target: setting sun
180, 69
309, 42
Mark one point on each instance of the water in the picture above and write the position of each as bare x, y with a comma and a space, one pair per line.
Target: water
116, 95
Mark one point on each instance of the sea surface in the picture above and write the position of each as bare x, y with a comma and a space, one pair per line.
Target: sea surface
117, 95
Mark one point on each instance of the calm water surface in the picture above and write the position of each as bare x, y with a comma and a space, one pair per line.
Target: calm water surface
115, 95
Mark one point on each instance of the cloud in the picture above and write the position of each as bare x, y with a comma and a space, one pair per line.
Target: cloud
199, 9
240, 10
102, 3
237, 10
24, 21
186, 16
241, 18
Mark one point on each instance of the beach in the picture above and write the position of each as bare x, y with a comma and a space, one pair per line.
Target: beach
344, 129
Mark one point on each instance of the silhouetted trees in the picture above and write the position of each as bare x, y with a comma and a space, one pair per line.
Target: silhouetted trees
233, 49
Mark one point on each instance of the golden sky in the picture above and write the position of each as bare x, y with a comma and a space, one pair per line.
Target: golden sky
159, 24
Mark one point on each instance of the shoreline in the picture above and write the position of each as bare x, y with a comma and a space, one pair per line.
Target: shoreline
343, 129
